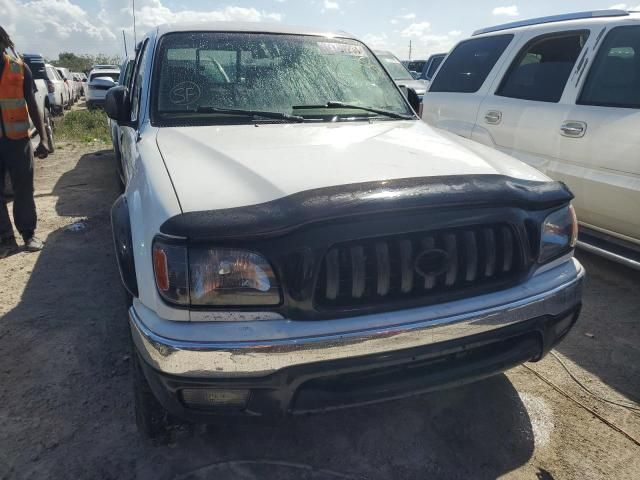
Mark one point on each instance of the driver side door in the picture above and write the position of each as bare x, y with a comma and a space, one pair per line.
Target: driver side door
130, 134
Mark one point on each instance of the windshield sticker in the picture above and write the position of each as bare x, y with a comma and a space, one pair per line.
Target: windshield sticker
185, 93
331, 48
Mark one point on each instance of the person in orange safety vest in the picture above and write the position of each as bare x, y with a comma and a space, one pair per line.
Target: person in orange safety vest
17, 104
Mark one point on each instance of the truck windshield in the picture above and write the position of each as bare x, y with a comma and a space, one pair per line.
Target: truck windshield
199, 74
396, 69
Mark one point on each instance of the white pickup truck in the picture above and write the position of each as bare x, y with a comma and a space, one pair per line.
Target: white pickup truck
562, 94
295, 239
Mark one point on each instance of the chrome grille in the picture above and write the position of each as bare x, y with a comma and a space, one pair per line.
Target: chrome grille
432, 266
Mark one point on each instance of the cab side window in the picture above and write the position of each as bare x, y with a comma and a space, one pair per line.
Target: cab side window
614, 79
469, 64
128, 75
541, 70
138, 77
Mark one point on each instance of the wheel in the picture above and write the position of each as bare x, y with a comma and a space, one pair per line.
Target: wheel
153, 421
49, 126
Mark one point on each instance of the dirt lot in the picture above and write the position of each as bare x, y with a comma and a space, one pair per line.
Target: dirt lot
66, 407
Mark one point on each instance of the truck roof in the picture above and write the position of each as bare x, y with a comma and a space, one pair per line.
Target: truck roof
249, 27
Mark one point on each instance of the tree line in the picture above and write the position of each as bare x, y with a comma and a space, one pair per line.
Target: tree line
84, 62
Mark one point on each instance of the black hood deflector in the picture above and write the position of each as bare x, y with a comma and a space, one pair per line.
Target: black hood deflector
284, 214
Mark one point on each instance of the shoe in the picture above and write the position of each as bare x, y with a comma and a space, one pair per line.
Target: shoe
8, 246
33, 244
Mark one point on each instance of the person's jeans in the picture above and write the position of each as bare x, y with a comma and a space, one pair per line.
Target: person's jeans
16, 159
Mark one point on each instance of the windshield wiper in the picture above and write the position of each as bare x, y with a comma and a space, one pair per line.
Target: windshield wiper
252, 113
379, 111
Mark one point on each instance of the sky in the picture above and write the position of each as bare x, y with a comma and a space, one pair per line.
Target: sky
95, 26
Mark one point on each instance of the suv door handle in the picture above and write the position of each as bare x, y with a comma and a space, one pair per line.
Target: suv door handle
493, 117
573, 129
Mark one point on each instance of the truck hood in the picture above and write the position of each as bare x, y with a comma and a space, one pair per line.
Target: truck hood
218, 167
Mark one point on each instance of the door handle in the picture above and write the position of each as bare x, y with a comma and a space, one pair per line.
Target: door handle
493, 117
573, 129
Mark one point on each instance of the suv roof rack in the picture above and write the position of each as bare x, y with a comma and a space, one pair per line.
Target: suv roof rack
552, 19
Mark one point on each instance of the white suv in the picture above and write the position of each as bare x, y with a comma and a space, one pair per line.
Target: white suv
562, 94
295, 239
100, 80
57, 92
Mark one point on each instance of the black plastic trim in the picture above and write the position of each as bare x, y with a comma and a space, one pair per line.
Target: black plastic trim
121, 227
285, 214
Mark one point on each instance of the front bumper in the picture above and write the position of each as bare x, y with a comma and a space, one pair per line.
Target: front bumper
281, 361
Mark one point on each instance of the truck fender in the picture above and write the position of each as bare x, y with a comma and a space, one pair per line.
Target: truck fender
121, 227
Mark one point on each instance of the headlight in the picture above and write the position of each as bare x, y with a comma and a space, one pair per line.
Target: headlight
559, 234
215, 277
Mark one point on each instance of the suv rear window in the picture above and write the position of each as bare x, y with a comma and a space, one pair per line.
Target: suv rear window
542, 68
469, 64
113, 76
614, 79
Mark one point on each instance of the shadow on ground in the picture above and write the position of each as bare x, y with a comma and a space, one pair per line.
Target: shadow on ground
606, 339
69, 410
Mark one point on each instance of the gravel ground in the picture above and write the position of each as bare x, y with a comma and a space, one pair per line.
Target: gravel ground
66, 406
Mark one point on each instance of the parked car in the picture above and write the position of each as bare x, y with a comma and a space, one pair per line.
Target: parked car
57, 92
400, 74
36, 64
126, 73
415, 66
68, 79
100, 80
77, 78
294, 239
83, 80
425, 69
69, 93
74, 87
562, 94
431, 66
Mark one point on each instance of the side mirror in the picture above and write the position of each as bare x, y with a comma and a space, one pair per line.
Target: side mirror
413, 98
117, 105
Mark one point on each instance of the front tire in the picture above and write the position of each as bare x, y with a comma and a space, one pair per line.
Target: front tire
154, 423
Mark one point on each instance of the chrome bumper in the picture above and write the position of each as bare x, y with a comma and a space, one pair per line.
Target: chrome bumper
259, 348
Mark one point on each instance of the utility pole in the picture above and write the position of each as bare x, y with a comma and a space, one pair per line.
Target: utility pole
124, 39
410, 45
135, 40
